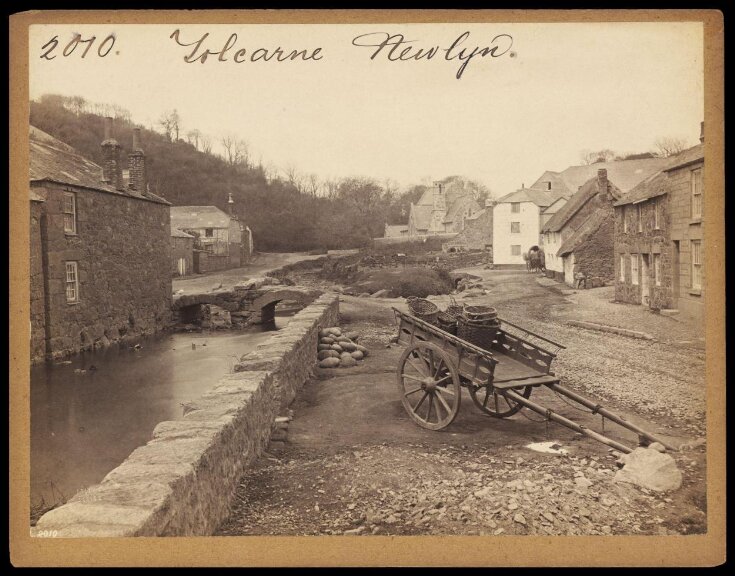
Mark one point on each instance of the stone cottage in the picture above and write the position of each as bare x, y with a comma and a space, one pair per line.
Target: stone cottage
477, 234
579, 237
99, 248
659, 241
182, 253
221, 241
442, 210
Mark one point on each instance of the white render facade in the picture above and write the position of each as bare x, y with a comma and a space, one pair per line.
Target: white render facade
516, 227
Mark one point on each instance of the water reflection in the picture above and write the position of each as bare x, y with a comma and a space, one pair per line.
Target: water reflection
89, 414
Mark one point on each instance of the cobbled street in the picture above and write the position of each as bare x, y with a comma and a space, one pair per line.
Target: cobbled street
354, 463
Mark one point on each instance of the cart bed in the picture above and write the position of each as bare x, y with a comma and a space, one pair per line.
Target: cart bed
510, 373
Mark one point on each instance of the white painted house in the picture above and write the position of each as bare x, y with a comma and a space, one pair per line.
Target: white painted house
517, 221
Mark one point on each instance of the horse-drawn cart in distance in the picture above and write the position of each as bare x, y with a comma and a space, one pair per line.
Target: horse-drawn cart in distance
499, 377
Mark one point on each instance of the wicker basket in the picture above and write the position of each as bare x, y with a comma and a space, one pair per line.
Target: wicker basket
479, 313
477, 334
447, 322
423, 309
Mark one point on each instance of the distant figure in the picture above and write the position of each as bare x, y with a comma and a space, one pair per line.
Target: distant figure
580, 280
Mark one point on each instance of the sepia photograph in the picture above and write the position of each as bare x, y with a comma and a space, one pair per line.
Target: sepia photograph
399, 276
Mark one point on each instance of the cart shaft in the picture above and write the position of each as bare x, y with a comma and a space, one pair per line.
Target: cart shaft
619, 420
559, 419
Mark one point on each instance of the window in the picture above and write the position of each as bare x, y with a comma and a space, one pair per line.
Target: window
697, 193
515, 207
634, 269
515, 250
639, 214
622, 267
515, 227
548, 185
72, 283
70, 213
625, 218
657, 269
696, 264
208, 233
656, 204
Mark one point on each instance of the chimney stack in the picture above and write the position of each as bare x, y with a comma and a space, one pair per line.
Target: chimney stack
111, 166
136, 166
701, 132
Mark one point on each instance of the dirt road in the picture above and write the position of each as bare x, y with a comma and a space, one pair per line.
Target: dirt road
355, 463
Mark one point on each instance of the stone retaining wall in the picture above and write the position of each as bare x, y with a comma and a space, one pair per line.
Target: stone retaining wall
181, 482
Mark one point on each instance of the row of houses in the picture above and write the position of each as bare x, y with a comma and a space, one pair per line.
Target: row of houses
104, 248
634, 223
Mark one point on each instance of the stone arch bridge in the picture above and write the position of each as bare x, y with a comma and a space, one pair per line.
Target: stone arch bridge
253, 302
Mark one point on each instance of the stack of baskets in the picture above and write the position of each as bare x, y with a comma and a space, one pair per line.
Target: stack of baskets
478, 325
447, 320
423, 309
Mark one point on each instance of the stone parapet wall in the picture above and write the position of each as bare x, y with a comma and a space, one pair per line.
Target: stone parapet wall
181, 482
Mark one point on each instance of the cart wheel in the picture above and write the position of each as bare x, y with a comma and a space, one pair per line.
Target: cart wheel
429, 385
497, 405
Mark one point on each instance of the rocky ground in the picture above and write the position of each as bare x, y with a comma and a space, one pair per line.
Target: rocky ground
354, 463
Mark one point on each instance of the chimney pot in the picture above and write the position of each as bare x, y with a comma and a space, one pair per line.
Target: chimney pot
701, 132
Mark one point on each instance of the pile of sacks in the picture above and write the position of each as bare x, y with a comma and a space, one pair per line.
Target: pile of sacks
337, 349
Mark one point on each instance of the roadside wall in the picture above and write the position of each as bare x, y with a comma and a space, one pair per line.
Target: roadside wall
181, 483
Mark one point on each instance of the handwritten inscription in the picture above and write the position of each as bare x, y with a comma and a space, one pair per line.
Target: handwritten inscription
396, 48
384, 45
103, 48
199, 52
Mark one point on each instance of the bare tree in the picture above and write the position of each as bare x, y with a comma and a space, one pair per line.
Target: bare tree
293, 177
170, 122
193, 136
668, 146
331, 188
592, 157
206, 143
313, 184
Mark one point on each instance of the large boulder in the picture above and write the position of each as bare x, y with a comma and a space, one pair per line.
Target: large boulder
649, 469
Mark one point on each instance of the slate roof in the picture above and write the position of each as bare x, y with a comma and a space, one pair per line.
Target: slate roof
53, 161
590, 227
585, 193
193, 217
557, 183
688, 156
655, 185
176, 233
625, 173
541, 198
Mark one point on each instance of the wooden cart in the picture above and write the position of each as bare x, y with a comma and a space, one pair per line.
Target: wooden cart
436, 365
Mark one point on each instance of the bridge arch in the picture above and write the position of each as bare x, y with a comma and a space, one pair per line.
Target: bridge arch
266, 303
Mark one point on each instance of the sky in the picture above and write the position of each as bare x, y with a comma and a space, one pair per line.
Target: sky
556, 90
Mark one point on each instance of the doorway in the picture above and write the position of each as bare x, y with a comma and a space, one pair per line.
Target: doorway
182, 266
645, 284
675, 272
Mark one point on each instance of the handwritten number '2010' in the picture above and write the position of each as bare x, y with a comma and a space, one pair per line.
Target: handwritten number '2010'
103, 49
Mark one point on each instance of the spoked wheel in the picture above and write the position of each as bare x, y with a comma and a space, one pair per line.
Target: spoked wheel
497, 405
429, 385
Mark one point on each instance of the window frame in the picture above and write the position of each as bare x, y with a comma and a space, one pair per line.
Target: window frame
621, 276
209, 232
697, 194
656, 216
625, 219
657, 269
695, 265
515, 207
515, 225
67, 195
634, 259
639, 215
71, 266
512, 246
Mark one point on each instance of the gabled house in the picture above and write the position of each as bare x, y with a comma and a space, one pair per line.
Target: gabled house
477, 234
579, 237
221, 241
442, 210
100, 249
517, 220
659, 241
